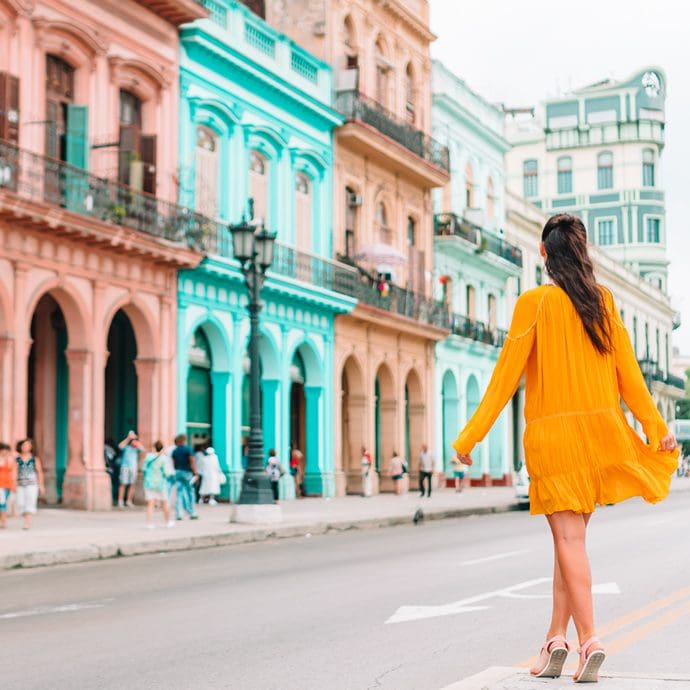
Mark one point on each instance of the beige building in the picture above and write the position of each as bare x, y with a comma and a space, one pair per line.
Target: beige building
386, 165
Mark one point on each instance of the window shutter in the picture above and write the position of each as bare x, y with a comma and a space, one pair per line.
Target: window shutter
148, 158
77, 136
9, 107
129, 144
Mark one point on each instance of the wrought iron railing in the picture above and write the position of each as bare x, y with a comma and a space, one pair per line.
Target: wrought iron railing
476, 330
43, 179
485, 241
356, 106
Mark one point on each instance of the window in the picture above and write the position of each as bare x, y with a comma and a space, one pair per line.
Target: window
652, 230
658, 347
539, 275
470, 302
411, 232
206, 182
648, 171
382, 72
385, 234
349, 53
256, 6
530, 178
492, 311
469, 187
622, 312
605, 170
350, 222
259, 173
137, 152
410, 95
565, 175
303, 212
606, 231
490, 199
634, 330
646, 340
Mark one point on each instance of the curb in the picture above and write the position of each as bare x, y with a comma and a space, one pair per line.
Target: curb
96, 552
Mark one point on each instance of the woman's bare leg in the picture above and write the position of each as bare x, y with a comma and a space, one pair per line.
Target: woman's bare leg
572, 575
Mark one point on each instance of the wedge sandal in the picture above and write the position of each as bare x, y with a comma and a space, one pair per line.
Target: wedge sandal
552, 658
590, 661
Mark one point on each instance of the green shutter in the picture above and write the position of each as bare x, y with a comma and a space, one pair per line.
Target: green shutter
77, 155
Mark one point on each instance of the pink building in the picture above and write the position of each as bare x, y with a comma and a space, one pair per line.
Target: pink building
90, 242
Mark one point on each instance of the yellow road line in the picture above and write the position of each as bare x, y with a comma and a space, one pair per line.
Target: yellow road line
627, 619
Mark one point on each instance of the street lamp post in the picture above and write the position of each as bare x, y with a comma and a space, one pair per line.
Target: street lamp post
253, 248
648, 367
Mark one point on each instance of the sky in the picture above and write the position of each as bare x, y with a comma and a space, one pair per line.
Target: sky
520, 53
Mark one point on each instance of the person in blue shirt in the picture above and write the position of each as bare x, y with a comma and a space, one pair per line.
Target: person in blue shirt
185, 478
130, 447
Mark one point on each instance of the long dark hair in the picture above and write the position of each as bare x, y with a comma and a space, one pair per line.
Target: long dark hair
568, 263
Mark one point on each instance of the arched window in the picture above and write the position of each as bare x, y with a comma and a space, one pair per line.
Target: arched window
137, 153
410, 94
206, 182
530, 178
491, 306
469, 187
349, 45
648, 168
384, 232
470, 302
490, 199
565, 175
382, 73
352, 203
605, 170
303, 212
259, 173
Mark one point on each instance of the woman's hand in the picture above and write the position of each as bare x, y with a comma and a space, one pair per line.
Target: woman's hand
464, 459
668, 443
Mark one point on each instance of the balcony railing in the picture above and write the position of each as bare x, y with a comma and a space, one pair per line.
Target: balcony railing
450, 224
476, 330
355, 106
46, 180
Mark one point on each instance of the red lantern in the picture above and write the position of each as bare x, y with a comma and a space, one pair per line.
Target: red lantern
443, 280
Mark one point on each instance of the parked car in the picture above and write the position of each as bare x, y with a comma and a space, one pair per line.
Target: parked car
522, 486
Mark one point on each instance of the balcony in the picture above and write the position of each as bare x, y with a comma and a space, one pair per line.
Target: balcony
42, 181
448, 224
417, 155
476, 330
176, 11
651, 131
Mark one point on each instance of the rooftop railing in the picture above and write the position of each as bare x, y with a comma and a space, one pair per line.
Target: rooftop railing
451, 224
356, 106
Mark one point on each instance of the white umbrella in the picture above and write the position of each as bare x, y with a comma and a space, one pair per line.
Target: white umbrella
381, 253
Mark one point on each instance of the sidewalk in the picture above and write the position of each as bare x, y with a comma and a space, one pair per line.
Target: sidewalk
68, 536
505, 678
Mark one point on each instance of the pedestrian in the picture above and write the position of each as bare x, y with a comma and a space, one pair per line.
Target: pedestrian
275, 471
296, 469
130, 448
426, 470
458, 473
155, 483
7, 472
112, 466
212, 478
185, 478
569, 340
366, 463
199, 460
169, 474
28, 480
396, 471
245, 453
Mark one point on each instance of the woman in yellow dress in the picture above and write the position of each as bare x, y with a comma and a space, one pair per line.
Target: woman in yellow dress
569, 341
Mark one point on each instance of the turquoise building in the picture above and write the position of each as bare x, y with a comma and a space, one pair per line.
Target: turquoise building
256, 123
473, 265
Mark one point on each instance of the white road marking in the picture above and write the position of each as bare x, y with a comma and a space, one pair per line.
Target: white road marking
411, 613
65, 608
496, 557
604, 588
660, 521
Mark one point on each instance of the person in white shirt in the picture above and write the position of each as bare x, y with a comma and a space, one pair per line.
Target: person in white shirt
426, 470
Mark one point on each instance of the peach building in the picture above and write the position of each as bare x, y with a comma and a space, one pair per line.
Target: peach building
90, 241
386, 165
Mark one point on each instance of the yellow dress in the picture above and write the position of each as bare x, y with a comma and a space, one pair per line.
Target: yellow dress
579, 448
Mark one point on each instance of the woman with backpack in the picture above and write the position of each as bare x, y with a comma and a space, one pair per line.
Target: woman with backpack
569, 340
275, 471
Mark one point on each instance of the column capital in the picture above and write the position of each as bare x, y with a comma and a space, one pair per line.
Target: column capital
77, 357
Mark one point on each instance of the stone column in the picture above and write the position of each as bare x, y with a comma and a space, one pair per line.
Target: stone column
148, 408
319, 469
6, 393
221, 424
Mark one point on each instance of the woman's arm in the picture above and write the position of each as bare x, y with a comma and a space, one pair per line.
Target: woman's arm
507, 373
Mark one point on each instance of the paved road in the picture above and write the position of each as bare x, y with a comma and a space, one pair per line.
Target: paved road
311, 613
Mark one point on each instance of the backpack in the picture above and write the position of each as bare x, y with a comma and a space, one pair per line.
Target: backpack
275, 471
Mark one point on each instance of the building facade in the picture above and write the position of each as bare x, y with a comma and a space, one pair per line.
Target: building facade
90, 236
473, 265
386, 165
597, 152
257, 124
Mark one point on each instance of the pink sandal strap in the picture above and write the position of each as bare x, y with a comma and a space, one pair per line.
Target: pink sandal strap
556, 639
584, 649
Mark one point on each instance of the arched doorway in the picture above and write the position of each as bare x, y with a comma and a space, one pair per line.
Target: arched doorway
449, 420
473, 399
415, 426
199, 390
121, 390
298, 408
352, 411
385, 419
48, 393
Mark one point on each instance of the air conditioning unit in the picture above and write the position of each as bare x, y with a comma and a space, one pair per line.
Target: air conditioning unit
354, 200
